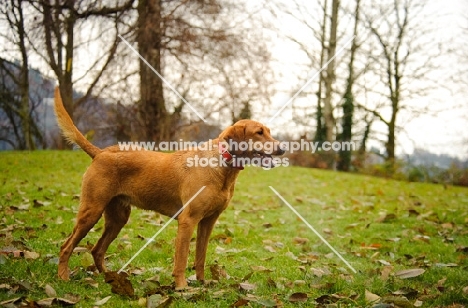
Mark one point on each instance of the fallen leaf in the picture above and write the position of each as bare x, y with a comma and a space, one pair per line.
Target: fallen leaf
57, 301
371, 297
327, 231
218, 272
50, 291
300, 240
86, 259
399, 301
91, 282
247, 286
267, 302
299, 282
221, 250
159, 301
240, 303
326, 299
46, 302
350, 226
13, 301
409, 273
31, 255
261, 269
407, 292
119, 282
271, 283
373, 246
291, 255
462, 249
446, 265
422, 238
386, 218
298, 297
319, 272
440, 284
385, 262
270, 249
102, 301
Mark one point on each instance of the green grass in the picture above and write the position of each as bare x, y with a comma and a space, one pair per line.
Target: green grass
376, 224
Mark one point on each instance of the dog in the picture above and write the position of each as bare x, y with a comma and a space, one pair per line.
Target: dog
161, 182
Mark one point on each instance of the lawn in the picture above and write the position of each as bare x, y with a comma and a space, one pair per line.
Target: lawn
407, 241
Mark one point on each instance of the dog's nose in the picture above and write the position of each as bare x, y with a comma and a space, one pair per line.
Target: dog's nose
281, 148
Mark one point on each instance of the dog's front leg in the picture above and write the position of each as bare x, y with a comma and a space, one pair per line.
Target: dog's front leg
184, 234
205, 227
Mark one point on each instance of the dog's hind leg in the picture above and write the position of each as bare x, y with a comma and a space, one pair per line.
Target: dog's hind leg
116, 216
88, 215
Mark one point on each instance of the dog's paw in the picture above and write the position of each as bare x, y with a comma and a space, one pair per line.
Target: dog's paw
64, 274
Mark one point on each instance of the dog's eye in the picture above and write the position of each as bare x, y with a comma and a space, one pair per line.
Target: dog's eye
260, 132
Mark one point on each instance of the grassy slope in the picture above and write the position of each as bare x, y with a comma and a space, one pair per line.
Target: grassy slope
376, 224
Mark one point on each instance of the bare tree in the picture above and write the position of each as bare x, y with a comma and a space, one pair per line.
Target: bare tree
344, 161
57, 27
403, 61
12, 11
199, 49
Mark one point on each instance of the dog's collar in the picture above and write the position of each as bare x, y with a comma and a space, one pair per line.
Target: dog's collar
227, 157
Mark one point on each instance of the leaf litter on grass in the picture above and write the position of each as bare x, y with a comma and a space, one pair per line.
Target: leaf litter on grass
433, 238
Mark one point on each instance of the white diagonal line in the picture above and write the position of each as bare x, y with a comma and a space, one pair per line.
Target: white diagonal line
161, 230
313, 229
310, 80
162, 78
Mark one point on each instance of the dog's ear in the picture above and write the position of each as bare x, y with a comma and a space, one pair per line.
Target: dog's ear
233, 135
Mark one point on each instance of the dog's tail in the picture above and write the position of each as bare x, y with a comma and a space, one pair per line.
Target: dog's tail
69, 130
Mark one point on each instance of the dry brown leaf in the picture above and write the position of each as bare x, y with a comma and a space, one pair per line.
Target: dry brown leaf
386, 218
270, 249
385, 272
371, 297
300, 240
298, 297
159, 301
91, 282
31, 255
399, 301
409, 273
102, 301
240, 303
50, 291
46, 302
261, 269
218, 272
247, 286
119, 282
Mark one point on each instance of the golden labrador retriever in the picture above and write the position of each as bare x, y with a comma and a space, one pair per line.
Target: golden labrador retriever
161, 182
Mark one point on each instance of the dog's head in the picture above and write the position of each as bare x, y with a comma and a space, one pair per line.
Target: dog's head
252, 140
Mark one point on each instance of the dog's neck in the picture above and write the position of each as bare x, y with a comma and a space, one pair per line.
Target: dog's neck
227, 156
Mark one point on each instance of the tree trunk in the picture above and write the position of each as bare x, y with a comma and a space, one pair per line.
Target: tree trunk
344, 162
24, 83
152, 107
390, 144
67, 81
330, 77
321, 130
